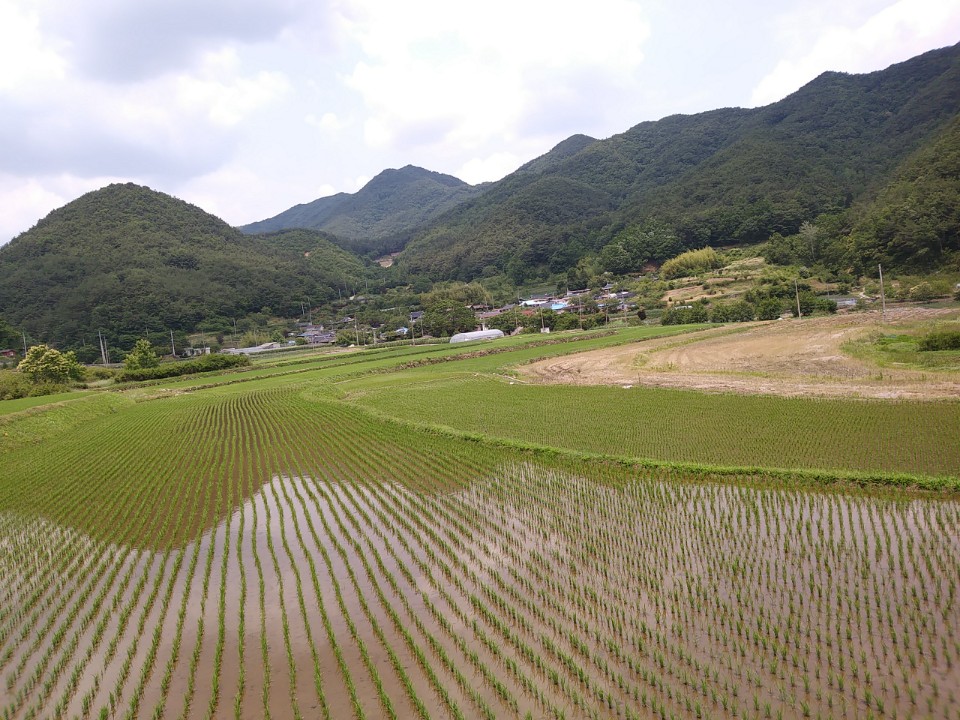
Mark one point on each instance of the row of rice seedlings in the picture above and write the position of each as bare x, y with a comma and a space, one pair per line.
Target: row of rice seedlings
96, 578
684, 561
210, 419
149, 662
71, 647
495, 682
126, 606
244, 482
155, 473
469, 653
367, 460
218, 426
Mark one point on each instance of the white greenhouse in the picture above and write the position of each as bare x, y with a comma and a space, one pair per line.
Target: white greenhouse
477, 335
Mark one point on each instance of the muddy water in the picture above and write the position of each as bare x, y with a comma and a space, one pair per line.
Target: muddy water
676, 592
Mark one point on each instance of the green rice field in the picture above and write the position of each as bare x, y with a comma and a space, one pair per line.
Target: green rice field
414, 533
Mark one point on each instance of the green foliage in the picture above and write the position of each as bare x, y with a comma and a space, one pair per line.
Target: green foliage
135, 263
444, 316
649, 242
141, 357
740, 311
14, 385
685, 314
44, 364
730, 176
923, 292
944, 340
769, 308
381, 216
205, 363
915, 221
9, 337
691, 262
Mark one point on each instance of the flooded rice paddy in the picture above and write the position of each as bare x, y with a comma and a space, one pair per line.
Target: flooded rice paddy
531, 593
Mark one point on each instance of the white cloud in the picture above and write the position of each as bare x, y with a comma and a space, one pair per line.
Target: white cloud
246, 107
328, 122
470, 73
896, 33
223, 95
27, 201
26, 58
493, 167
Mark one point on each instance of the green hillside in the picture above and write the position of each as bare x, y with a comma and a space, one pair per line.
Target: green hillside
727, 176
132, 260
382, 216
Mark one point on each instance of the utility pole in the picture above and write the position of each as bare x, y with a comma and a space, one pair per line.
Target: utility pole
356, 329
580, 308
103, 348
883, 299
173, 348
24, 334
234, 331
796, 289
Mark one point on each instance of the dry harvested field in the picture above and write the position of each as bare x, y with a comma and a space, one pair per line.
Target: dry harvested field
785, 357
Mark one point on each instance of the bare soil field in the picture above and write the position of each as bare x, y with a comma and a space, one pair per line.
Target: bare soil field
787, 357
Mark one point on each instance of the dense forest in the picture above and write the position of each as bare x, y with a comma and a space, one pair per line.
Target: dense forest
382, 216
136, 261
729, 176
849, 172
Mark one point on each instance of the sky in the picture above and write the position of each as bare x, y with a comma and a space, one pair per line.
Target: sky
248, 107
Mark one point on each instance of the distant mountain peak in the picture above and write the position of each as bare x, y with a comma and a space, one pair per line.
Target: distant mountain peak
381, 215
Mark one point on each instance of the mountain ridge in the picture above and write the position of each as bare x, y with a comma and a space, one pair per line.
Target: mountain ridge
380, 216
725, 176
135, 261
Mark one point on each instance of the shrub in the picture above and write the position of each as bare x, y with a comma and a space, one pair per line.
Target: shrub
690, 263
141, 357
769, 309
14, 385
685, 315
207, 363
740, 311
946, 340
43, 364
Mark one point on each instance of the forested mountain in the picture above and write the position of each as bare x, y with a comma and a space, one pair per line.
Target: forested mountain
721, 177
382, 215
867, 165
132, 261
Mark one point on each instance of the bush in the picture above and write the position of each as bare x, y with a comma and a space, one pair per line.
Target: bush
769, 309
207, 363
946, 340
14, 385
690, 263
685, 315
43, 364
740, 311
141, 357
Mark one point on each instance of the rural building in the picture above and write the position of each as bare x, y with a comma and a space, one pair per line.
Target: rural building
477, 335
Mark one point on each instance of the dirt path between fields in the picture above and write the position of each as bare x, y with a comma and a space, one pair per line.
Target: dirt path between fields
786, 357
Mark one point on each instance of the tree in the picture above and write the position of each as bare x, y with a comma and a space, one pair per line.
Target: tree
141, 357
9, 338
769, 308
446, 316
44, 364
